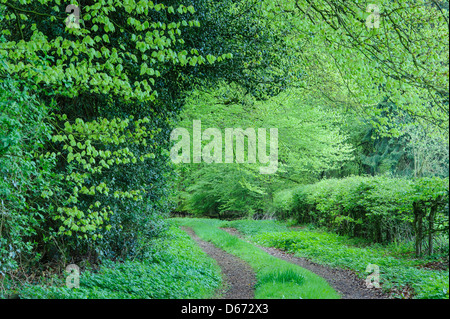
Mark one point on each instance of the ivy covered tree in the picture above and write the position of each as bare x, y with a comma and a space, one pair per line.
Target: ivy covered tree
114, 75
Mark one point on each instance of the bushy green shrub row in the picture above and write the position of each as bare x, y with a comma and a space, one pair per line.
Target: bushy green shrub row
379, 208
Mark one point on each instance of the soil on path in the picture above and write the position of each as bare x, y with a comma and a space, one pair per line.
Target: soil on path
238, 277
344, 281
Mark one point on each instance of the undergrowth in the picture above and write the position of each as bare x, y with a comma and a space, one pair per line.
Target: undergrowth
175, 271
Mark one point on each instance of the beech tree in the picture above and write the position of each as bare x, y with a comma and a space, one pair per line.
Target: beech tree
356, 54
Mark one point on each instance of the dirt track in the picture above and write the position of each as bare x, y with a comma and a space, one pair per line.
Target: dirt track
240, 279
345, 282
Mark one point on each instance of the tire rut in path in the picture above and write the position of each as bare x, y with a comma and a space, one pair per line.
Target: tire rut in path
344, 281
239, 278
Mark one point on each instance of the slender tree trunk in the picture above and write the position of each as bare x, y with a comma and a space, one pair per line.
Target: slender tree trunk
418, 214
430, 228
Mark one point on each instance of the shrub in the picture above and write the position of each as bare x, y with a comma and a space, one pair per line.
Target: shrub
24, 174
379, 208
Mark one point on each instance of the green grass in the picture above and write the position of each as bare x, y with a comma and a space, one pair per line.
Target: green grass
398, 267
281, 276
181, 271
276, 278
252, 227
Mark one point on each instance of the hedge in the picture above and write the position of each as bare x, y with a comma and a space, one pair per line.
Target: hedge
382, 209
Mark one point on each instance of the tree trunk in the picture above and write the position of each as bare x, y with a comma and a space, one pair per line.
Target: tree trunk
418, 215
430, 228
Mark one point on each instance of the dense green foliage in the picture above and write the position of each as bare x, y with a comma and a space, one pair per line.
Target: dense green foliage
24, 175
95, 87
351, 63
239, 189
104, 96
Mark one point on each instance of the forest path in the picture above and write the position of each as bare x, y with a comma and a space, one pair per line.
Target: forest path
240, 279
344, 281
